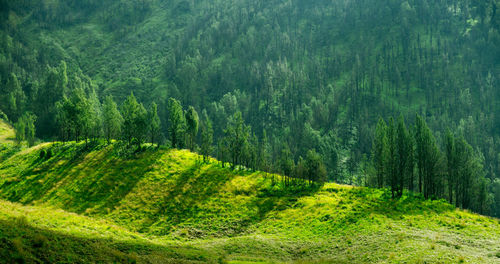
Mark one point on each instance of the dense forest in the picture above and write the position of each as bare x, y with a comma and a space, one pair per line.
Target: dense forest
316, 90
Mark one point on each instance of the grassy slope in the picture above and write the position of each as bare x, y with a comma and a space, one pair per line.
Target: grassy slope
7, 134
165, 205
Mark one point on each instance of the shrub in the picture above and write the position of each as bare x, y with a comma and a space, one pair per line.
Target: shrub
19, 255
21, 221
42, 154
39, 241
48, 155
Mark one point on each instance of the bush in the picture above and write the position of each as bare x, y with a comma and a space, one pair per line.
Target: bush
42, 154
48, 155
39, 241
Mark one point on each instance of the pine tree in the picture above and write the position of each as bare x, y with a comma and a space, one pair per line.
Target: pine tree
207, 134
82, 115
154, 124
96, 115
20, 128
192, 122
403, 152
112, 119
315, 169
428, 157
451, 164
392, 162
380, 152
12, 98
177, 123
134, 120
237, 134
25, 128
30, 130
286, 163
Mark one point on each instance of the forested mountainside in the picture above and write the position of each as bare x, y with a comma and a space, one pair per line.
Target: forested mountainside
305, 75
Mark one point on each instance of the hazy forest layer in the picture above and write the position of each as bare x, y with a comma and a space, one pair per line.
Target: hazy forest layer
169, 206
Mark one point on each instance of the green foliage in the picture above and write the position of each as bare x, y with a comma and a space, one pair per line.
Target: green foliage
112, 119
207, 134
172, 208
154, 124
134, 121
237, 135
177, 123
25, 128
314, 167
192, 122
312, 74
12, 98
380, 154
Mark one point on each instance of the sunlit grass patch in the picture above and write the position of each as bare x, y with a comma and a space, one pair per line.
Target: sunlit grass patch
170, 198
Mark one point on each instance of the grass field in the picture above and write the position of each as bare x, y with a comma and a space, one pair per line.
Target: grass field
95, 204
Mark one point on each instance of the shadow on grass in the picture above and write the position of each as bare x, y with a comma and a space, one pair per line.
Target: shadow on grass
359, 203
194, 185
7, 151
22, 243
81, 177
197, 202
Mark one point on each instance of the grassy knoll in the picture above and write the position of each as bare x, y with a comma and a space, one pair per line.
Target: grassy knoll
95, 203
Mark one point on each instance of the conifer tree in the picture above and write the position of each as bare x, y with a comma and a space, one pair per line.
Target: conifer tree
96, 115
154, 124
451, 164
207, 134
134, 120
177, 123
112, 119
192, 122
403, 152
380, 154
315, 169
237, 134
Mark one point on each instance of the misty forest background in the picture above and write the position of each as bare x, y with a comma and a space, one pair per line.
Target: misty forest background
398, 94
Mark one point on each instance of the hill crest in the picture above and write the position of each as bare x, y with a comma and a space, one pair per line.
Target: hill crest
172, 196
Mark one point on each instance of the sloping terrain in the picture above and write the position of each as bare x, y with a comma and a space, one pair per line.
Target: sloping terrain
94, 203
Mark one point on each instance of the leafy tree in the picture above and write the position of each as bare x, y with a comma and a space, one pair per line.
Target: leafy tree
428, 157
154, 124
392, 166
134, 120
30, 129
314, 167
25, 128
237, 134
82, 114
112, 119
286, 163
404, 164
177, 123
192, 122
51, 92
96, 116
380, 152
20, 128
207, 134
64, 116
12, 98
451, 164
495, 205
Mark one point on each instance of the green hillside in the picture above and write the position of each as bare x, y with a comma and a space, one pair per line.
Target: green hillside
85, 204
311, 74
